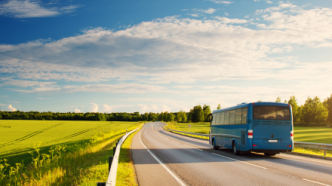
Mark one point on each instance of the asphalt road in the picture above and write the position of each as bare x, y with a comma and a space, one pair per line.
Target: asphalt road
164, 158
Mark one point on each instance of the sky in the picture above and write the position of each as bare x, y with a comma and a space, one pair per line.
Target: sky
165, 55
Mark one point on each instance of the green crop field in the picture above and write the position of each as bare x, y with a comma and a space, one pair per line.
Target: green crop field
20, 138
34, 152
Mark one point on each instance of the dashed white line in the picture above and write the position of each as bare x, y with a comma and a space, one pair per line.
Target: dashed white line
307, 159
315, 182
239, 161
161, 163
232, 159
216, 154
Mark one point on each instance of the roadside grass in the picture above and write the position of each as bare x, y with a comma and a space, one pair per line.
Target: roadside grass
317, 152
75, 164
126, 171
313, 135
303, 134
200, 127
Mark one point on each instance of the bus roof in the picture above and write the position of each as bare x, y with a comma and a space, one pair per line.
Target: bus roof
242, 105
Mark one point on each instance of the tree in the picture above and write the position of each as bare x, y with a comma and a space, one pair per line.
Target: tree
198, 114
219, 106
285, 101
170, 117
328, 105
181, 116
278, 100
207, 111
314, 111
259, 101
293, 102
191, 115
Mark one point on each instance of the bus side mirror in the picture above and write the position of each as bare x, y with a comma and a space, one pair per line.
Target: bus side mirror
210, 117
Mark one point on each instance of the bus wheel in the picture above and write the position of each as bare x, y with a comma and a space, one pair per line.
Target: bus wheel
269, 154
215, 147
235, 151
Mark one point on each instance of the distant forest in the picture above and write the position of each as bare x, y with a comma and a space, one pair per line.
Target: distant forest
313, 110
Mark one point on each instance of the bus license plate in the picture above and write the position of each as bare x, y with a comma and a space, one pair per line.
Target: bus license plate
273, 141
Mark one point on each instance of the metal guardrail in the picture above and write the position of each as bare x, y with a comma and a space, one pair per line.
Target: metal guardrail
191, 133
321, 146
111, 181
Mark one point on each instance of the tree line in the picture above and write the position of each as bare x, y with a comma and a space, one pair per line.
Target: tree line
123, 116
312, 111
197, 114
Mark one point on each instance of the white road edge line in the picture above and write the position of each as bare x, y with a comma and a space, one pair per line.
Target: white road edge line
155, 157
315, 182
173, 140
239, 161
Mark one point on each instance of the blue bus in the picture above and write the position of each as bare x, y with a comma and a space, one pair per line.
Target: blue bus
265, 127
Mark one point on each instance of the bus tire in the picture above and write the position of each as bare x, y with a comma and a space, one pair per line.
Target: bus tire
215, 147
235, 151
269, 154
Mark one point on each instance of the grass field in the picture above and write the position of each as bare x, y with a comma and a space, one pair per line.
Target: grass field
69, 152
304, 134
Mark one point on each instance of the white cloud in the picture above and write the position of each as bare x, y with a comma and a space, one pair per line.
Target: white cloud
77, 110
222, 2
270, 2
25, 83
231, 21
116, 88
107, 108
197, 50
30, 9
42, 98
194, 15
11, 108
183, 86
13, 101
93, 107
208, 11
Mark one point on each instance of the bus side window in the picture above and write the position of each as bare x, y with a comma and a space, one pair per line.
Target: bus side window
222, 116
244, 115
238, 116
217, 118
226, 118
232, 117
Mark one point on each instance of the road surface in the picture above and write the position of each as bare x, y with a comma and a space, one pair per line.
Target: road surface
164, 158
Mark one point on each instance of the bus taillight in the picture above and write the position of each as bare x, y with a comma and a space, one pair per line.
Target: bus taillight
250, 133
291, 135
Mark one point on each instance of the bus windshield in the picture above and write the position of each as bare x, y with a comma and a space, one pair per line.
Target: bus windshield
272, 113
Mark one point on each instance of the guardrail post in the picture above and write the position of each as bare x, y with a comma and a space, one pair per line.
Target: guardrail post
114, 148
101, 184
110, 159
324, 152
